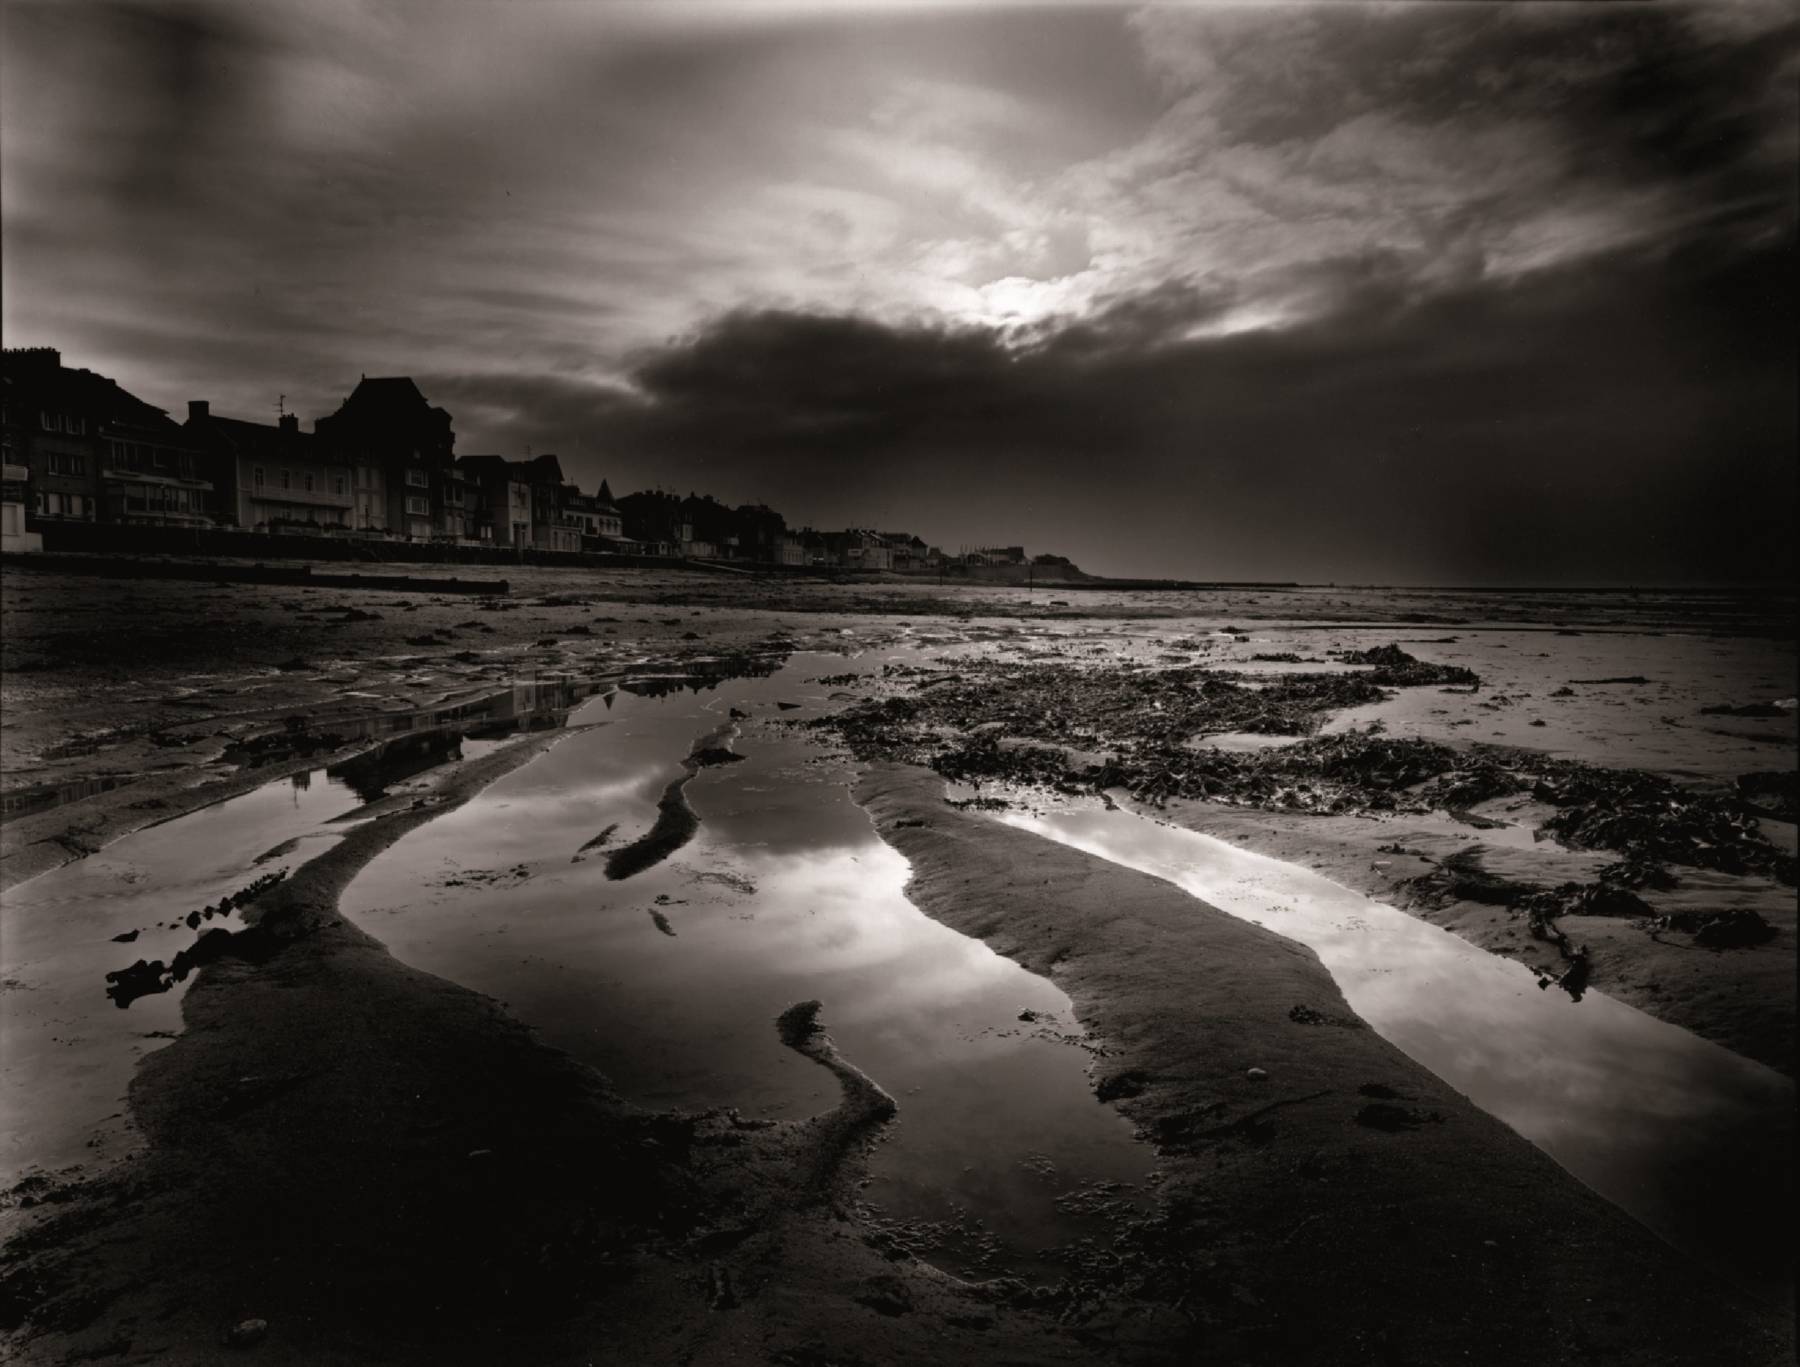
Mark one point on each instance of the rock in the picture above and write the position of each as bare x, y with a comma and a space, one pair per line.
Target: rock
126, 938
246, 1333
1257, 1074
885, 1295
1380, 1115
1118, 1085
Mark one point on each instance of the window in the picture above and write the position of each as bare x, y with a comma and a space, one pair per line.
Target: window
337, 484
286, 481
62, 463
418, 479
74, 426
256, 477
77, 506
308, 481
421, 506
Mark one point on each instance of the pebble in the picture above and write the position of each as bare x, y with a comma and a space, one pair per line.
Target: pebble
1256, 1074
246, 1332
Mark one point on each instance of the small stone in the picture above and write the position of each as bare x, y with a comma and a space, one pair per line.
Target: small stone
246, 1332
1256, 1074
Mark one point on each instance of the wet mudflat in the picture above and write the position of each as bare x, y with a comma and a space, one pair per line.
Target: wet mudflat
1692, 1139
668, 976
67, 1047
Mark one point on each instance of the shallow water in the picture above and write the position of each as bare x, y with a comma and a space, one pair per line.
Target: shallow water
669, 982
1692, 1139
67, 1052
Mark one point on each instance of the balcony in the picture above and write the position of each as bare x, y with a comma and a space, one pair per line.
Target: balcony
303, 498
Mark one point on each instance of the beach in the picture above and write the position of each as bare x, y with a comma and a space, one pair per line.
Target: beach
405, 1105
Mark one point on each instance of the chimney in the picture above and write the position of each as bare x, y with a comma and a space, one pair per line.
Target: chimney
198, 409
290, 422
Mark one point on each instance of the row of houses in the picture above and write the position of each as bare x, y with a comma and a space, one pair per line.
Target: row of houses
81, 449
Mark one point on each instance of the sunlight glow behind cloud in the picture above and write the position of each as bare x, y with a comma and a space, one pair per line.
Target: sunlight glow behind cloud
235, 200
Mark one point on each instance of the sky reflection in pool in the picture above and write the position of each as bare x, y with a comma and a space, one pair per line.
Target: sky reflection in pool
785, 893
66, 1051
1694, 1140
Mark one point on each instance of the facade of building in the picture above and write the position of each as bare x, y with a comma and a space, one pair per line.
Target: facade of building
272, 478
497, 488
15, 497
463, 518
399, 447
909, 552
656, 521
712, 529
858, 549
15, 477
600, 515
554, 524
94, 452
997, 555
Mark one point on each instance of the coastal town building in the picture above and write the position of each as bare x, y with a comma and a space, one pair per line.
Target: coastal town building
400, 447
15, 495
500, 495
270, 477
602, 523
554, 523
909, 552
94, 452
859, 549
656, 520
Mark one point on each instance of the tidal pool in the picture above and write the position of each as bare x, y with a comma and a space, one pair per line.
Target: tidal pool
669, 981
70, 1040
1692, 1139
67, 1051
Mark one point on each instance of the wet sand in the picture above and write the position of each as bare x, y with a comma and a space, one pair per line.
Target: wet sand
385, 1166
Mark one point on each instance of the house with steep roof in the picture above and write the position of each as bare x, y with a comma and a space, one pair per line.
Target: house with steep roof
93, 451
399, 447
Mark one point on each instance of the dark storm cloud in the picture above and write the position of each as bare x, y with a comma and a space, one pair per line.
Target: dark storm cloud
1422, 291
1626, 423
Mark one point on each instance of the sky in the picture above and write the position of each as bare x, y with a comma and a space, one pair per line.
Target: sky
1447, 293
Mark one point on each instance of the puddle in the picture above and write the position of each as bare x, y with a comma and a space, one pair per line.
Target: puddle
1241, 742
669, 979
70, 1035
1693, 1140
67, 1051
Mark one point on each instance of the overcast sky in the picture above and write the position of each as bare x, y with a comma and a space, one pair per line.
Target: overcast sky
1446, 293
